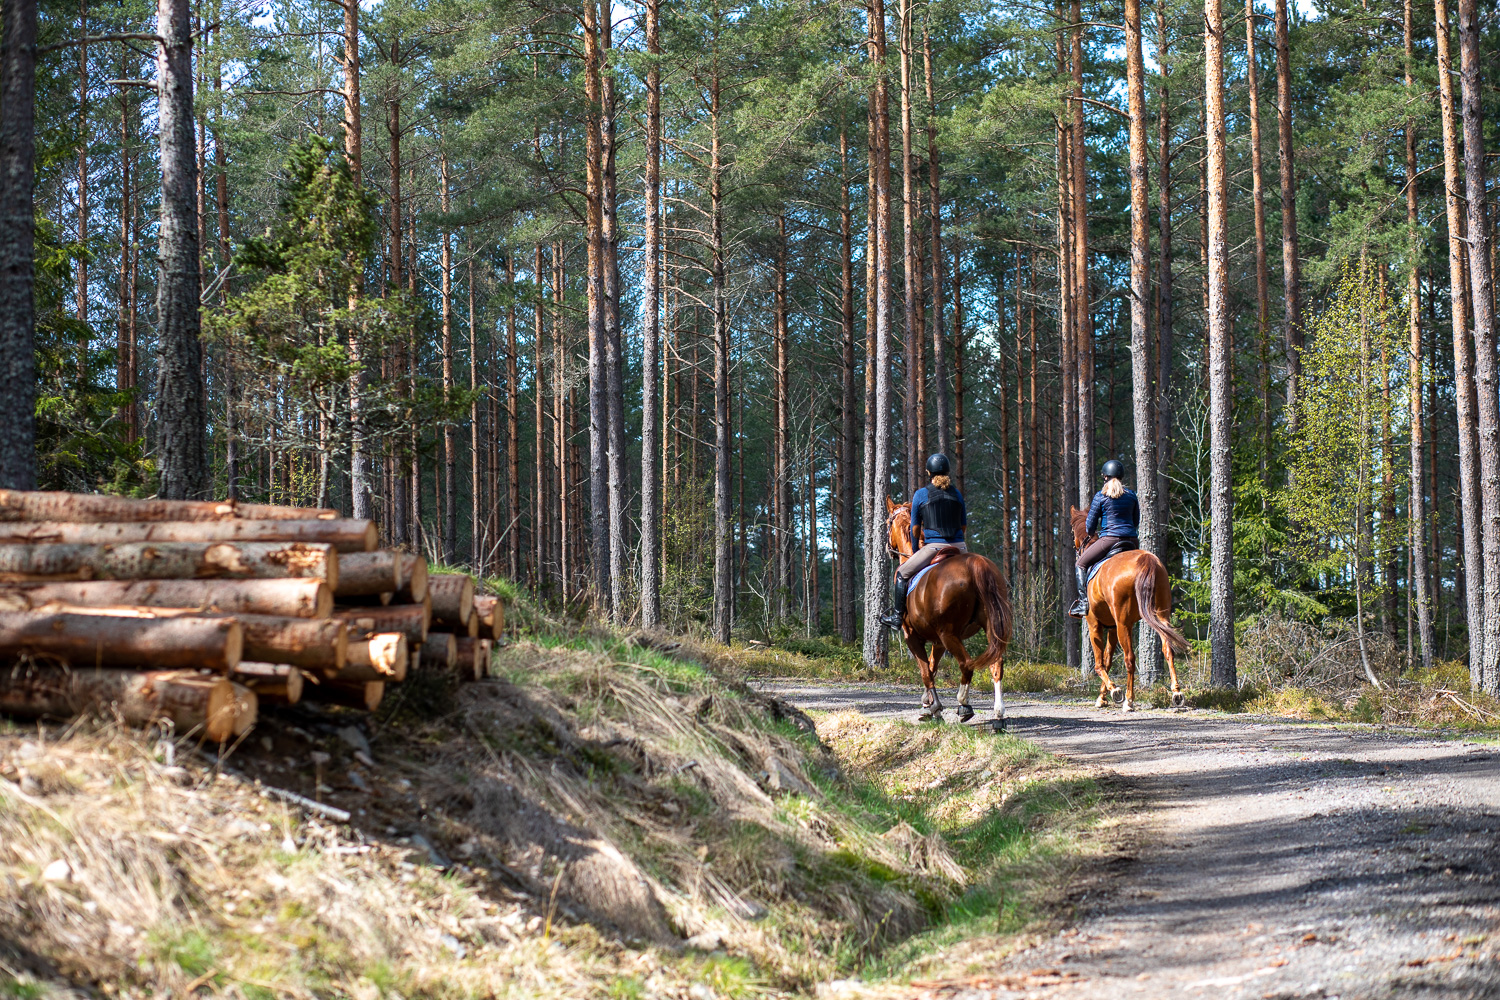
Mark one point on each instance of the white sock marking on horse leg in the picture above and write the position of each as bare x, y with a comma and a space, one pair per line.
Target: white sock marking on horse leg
1000, 700
963, 694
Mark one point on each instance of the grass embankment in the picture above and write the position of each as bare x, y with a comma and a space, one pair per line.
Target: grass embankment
600, 820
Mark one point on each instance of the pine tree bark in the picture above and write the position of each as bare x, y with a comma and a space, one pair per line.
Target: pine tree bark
181, 410
125, 292
81, 289
401, 529
1083, 316
959, 338
362, 503
848, 421
911, 284
1262, 278
723, 555
1481, 287
1068, 423
1164, 348
598, 349
1463, 370
450, 443
934, 182
1221, 348
17, 224
614, 355
1140, 297
876, 585
651, 452
1291, 258
781, 487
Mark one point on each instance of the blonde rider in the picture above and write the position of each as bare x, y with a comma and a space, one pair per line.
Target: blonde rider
938, 519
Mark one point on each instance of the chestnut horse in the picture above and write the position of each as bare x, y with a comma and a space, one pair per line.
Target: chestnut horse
1129, 587
960, 595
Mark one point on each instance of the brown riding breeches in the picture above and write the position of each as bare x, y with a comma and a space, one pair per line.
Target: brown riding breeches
923, 556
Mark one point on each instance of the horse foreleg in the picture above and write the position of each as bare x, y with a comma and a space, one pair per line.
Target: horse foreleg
1099, 638
955, 646
1127, 647
932, 708
1178, 701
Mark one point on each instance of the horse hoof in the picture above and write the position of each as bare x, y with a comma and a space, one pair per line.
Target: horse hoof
1179, 701
1129, 706
965, 713
1101, 703
996, 725
1116, 695
933, 716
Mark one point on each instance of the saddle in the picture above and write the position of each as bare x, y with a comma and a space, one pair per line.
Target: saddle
1121, 545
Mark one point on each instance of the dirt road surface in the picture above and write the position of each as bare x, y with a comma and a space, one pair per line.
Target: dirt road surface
1279, 859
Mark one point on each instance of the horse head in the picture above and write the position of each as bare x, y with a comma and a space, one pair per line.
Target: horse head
1078, 519
898, 527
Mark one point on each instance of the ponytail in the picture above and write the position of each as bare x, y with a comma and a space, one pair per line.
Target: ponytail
942, 482
1113, 488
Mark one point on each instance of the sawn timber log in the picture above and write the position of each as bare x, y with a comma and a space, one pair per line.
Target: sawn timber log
194, 704
169, 561
295, 598
344, 534
18, 505
104, 640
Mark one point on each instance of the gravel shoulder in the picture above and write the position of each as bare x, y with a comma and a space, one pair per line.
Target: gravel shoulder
1277, 858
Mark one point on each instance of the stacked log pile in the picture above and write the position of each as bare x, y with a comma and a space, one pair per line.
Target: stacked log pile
194, 613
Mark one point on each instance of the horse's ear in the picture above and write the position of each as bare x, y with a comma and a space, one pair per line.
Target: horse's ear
890, 505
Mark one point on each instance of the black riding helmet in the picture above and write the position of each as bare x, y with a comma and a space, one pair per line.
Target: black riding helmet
937, 465
1113, 470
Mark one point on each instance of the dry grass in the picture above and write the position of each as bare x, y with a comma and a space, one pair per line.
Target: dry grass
555, 832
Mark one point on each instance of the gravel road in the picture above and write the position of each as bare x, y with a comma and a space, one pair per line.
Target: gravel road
1279, 859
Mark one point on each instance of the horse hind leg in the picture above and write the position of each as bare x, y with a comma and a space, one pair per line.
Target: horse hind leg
955, 647
932, 706
1103, 644
1122, 633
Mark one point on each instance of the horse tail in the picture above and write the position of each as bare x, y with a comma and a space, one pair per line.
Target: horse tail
997, 609
1145, 599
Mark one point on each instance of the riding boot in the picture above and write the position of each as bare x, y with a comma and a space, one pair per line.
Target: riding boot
894, 617
1080, 608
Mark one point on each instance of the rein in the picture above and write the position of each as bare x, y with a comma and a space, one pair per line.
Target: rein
890, 519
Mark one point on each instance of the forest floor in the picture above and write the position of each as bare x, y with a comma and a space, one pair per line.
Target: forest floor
1266, 858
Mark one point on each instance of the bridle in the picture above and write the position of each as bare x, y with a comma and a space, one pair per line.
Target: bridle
890, 518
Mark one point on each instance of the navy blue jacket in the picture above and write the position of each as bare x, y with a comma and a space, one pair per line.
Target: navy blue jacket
917, 500
1117, 517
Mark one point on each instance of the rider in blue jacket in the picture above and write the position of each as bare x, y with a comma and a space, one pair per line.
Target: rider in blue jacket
938, 519
1115, 514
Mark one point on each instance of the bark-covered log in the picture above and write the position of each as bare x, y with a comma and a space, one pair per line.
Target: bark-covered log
367, 574
473, 657
310, 643
411, 581
411, 620
195, 705
169, 561
452, 597
105, 640
274, 683
367, 695
382, 657
345, 534
440, 651
28, 505
297, 598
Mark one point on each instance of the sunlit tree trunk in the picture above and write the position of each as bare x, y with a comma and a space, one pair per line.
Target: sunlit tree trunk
876, 578
1164, 348
848, 422
911, 284
1262, 278
450, 445
1083, 315
1481, 287
17, 223
651, 330
1463, 372
598, 349
934, 179
723, 554
181, 410
781, 516
1140, 298
1416, 498
1221, 349
359, 459
614, 354
1291, 261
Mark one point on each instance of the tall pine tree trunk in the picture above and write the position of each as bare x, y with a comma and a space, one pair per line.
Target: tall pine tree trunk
911, 283
1291, 261
614, 356
450, 443
848, 421
781, 493
1262, 279
723, 555
181, 410
17, 223
1140, 293
1463, 370
1221, 356
359, 460
1083, 315
1487, 376
877, 585
651, 452
598, 349
934, 179
1164, 348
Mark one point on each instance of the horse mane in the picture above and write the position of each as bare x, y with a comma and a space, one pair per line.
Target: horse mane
1078, 518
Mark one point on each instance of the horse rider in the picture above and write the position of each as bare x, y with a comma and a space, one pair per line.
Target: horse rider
938, 519
1114, 514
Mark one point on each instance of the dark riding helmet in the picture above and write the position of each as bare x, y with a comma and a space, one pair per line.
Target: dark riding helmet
1113, 470
937, 465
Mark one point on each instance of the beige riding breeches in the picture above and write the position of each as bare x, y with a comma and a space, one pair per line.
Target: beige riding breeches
923, 556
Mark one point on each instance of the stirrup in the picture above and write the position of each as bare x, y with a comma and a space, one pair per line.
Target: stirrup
1079, 609
891, 619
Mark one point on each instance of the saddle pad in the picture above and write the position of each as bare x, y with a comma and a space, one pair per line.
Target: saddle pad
1120, 548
